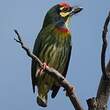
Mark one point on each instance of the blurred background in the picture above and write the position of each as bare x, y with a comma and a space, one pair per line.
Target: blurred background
15, 66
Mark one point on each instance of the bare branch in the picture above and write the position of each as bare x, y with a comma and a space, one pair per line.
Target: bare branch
29, 53
62, 81
103, 93
104, 46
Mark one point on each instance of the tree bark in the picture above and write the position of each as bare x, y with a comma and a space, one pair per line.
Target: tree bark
103, 92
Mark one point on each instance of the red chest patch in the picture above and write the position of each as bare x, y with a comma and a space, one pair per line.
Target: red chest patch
61, 29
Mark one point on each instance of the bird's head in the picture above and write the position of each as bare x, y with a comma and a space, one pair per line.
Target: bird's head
60, 12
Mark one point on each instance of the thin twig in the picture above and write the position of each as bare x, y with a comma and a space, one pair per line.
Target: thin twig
104, 45
29, 53
62, 81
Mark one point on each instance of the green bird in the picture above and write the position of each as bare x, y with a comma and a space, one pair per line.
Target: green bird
53, 47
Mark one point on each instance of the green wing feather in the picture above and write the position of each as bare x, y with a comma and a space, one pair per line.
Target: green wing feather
37, 47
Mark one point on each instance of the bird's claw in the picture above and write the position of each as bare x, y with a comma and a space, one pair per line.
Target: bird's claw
41, 70
44, 66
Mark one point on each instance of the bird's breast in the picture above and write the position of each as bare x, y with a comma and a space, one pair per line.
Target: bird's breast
62, 31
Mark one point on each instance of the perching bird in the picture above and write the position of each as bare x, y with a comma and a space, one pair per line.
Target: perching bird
53, 47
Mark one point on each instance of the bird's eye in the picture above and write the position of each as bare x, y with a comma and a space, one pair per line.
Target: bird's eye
68, 9
65, 11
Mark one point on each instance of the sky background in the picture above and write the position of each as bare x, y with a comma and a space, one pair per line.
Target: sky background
15, 66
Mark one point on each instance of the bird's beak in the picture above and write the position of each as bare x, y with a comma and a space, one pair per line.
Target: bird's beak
75, 10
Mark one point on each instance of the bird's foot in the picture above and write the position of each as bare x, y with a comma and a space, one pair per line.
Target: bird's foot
44, 66
41, 70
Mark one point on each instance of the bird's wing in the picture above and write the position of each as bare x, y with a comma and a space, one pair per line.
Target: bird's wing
34, 64
56, 88
37, 48
67, 64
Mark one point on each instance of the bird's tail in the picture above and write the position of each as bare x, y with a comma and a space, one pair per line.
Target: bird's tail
45, 84
42, 97
42, 101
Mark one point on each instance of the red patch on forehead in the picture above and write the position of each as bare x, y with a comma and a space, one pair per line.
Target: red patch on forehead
65, 5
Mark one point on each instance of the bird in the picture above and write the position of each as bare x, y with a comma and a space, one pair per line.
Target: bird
53, 47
